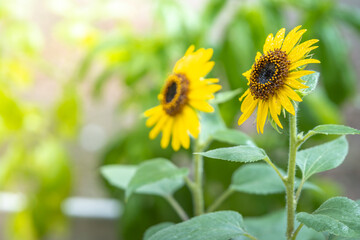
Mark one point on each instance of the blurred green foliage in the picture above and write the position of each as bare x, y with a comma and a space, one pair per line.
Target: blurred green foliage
236, 30
33, 135
33, 158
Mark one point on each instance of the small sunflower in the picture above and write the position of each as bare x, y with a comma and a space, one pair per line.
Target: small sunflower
275, 75
185, 91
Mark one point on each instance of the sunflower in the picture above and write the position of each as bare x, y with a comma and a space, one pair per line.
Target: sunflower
184, 92
275, 76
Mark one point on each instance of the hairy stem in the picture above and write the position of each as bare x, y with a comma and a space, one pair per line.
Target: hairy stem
220, 200
298, 192
268, 161
306, 137
197, 190
297, 231
179, 210
290, 188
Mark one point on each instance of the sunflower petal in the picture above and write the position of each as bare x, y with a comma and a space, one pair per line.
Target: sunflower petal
299, 74
211, 80
303, 62
154, 118
192, 119
190, 50
152, 111
279, 38
263, 109
206, 92
207, 54
248, 111
286, 103
247, 101
258, 56
175, 142
276, 104
166, 133
268, 43
247, 74
158, 127
291, 94
182, 131
201, 105
301, 50
292, 39
295, 84
273, 112
244, 95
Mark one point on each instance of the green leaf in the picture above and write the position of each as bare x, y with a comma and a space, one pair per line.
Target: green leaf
260, 178
257, 178
333, 237
234, 137
322, 158
222, 225
156, 228
210, 124
121, 175
311, 81
236, 154
153, 171
222, 97
118, 175
339, 216
271, 227
335, 129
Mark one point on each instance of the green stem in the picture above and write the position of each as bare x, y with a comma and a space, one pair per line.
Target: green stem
290, 188
298, 192
250, 236
297, 231
267, 159
197, 186
303, 139
220, 200
198, 193
179, 210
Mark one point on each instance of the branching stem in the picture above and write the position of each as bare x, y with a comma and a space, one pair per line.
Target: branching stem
298, 192
293, 237
177, 207
268, 161
220, 200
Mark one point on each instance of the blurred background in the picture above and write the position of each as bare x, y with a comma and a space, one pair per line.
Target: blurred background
76, 75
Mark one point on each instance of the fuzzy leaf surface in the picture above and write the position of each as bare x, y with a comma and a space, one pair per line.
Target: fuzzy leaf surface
222, 225
323, 157
339, 216
236, 154
335, 129
311, 81
154, 171
156, 228
120, 176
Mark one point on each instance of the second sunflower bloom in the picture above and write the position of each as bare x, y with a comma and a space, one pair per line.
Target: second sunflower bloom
185, 91
274, 76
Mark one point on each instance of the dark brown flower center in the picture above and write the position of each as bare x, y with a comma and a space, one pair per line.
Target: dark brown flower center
269, 74
170, 92
175, 94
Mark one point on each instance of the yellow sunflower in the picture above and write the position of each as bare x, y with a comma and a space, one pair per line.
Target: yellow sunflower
275, 75
184, 91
